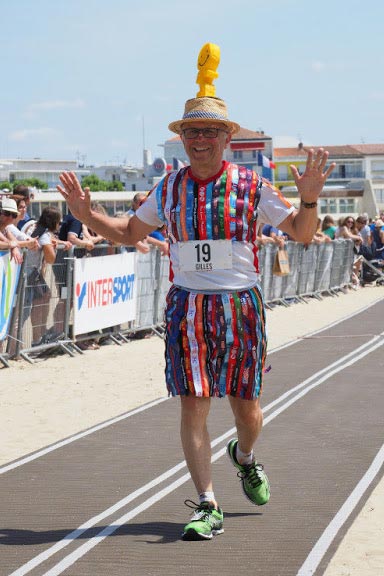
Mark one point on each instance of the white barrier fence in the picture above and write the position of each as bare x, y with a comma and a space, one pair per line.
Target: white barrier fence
43, 317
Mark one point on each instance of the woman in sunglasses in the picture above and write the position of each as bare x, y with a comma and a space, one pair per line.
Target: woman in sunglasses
347, 229
9, 213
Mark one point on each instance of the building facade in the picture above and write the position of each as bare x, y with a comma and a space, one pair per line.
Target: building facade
355, 186
48, 171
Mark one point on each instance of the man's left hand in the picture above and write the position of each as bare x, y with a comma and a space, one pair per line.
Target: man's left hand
311, 182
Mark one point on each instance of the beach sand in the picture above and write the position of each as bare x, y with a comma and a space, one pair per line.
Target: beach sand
45, 402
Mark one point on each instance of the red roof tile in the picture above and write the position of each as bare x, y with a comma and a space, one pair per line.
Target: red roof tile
356, 150
334, 151
245, 134
369, 148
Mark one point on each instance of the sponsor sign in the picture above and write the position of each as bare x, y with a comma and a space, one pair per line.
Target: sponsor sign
104, 291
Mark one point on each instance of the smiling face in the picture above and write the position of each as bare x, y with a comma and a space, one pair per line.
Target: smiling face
209, 57
205, 154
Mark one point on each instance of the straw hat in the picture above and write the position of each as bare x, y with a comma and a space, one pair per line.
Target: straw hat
379, 223
9, 205
206, 108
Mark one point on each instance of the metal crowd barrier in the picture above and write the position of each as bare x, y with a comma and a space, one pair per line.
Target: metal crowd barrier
44, 325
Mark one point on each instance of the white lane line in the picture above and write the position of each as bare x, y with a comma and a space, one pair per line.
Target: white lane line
71, 536
327, 327
66, 441
320, 548
341, 361
78, 436
92, 542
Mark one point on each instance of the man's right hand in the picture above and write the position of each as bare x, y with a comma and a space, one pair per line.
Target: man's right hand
78, 200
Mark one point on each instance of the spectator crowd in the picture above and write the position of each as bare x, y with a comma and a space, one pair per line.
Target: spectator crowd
42, 237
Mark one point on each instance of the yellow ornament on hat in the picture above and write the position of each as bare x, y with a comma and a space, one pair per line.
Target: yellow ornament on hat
207, 63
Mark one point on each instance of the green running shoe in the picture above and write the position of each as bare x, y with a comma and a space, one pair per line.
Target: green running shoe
205, 523
253, 478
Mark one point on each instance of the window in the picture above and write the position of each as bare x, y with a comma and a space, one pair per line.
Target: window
283, 172
237, 154
346, 205
328, 206
377, 170
379, 193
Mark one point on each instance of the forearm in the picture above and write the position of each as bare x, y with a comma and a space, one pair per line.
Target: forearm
304, 224
119, 230
126, 231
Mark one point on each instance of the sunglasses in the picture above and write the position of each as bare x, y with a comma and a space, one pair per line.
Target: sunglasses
210, 133
9, 214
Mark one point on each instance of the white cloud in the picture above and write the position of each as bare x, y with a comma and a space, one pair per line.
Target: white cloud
33, 110
58, 104
318, 66
28, 133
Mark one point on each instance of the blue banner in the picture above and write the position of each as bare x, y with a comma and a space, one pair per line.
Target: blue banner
9, 277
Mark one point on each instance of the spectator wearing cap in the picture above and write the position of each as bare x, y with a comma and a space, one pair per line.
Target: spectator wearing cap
8, 214
24, 241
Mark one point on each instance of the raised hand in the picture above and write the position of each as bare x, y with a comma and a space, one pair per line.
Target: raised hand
78, 200
311, 182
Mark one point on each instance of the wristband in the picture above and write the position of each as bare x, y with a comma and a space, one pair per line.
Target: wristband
308, 204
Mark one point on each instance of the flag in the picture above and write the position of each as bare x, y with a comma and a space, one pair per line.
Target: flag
177, 164
264, 161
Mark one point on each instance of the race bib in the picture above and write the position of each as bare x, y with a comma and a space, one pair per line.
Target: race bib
205, 255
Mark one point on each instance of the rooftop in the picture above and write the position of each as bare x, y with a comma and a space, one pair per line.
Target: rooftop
349, 150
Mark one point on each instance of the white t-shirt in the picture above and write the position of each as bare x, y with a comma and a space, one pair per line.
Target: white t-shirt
18, 234
272, 208
34, 258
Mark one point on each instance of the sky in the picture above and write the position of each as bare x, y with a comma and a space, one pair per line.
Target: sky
97, 81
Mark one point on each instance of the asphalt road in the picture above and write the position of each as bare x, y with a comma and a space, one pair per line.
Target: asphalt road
111, 501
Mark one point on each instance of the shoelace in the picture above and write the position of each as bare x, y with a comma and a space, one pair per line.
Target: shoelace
251, 473
201, 511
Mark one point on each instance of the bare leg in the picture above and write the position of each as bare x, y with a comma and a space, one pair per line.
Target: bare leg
195, 440
248, 420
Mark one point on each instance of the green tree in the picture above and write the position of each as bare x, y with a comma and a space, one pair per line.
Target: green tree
31, 182
93, 182
116, 185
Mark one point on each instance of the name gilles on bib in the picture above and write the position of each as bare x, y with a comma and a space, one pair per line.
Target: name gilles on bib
205, 255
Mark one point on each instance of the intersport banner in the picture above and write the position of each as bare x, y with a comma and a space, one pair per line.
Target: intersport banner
9, 276
105, 291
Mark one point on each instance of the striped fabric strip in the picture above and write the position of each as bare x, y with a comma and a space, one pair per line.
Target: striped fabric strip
216, 343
